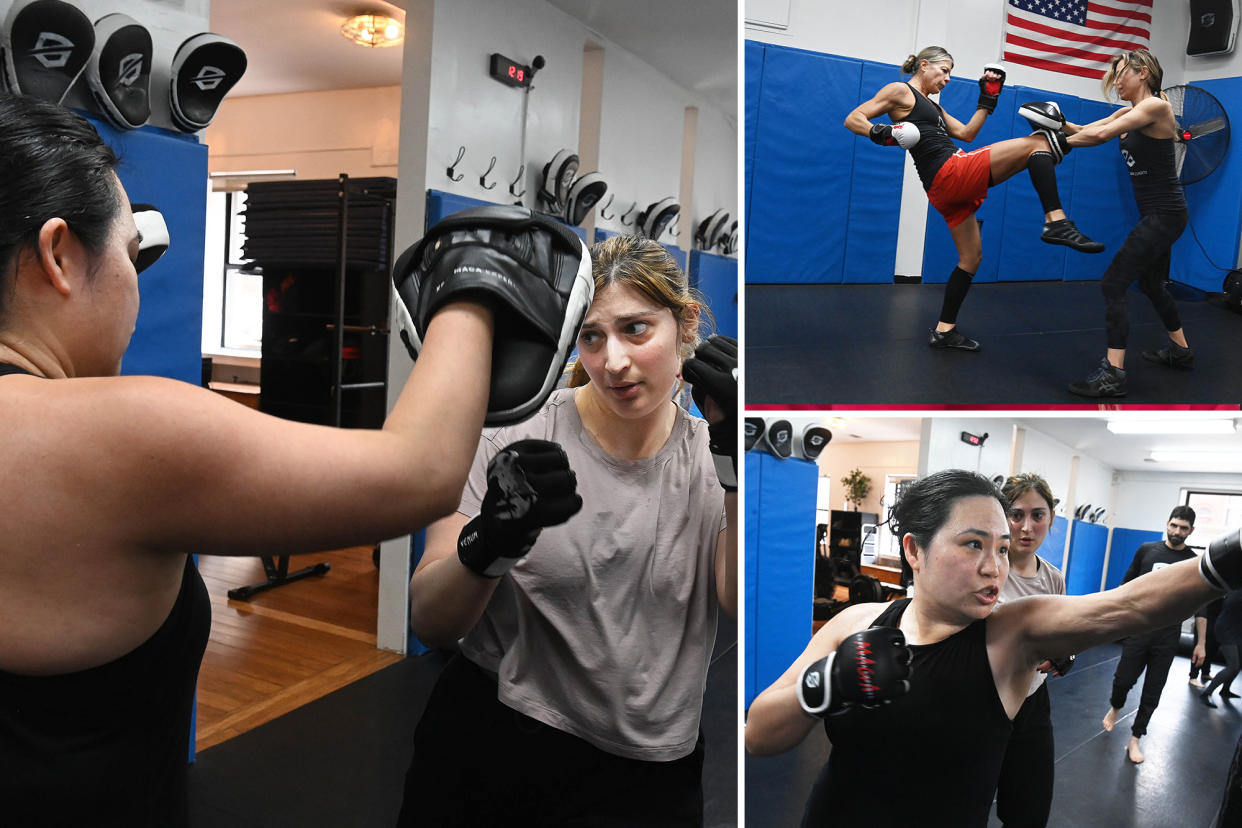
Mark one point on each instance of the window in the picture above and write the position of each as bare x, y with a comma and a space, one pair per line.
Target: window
1215, 514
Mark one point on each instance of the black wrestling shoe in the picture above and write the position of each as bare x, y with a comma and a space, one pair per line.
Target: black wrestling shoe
1064, 232
1206, 699
1107, 381
952, 339
1174, 356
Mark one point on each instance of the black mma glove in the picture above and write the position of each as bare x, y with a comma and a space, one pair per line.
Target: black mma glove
712, 372
990, 88
882, 134
870, 668
1221, 564
529, 486
1061, 666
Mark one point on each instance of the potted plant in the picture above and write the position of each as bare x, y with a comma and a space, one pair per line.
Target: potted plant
857, 487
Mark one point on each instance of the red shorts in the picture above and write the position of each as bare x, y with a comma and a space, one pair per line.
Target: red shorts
961, 185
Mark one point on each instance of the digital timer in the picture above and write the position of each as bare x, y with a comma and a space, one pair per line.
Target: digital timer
509, 72
973, 439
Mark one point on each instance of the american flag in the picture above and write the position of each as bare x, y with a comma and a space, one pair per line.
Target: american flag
1078, 37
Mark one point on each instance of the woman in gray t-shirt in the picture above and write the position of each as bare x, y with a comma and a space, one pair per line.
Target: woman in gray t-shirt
577, 694
1024, 794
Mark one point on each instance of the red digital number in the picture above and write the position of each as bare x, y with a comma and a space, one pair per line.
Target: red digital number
513, 72
521, 76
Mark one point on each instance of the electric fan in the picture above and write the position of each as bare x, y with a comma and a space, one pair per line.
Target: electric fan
1203, 132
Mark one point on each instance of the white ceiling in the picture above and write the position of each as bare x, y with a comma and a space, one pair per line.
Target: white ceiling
296, 46
1088, 435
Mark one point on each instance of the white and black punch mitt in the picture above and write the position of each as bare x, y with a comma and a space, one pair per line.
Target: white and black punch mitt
204, 69
533, 271
153, 235
46, 45
119, 71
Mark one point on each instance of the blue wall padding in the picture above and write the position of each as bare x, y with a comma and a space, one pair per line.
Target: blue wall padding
168, 170
1086, 558
960, 99
1215, 205
754, 92
441, 204
783, 568
800, 198
1023, 257
1100, 201
1052, 549
1124, 544
716, 278
874, 193
750, 567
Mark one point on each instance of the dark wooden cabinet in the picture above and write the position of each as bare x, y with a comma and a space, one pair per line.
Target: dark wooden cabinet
325, 251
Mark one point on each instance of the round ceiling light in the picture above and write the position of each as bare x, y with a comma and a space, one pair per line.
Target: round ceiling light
373, 30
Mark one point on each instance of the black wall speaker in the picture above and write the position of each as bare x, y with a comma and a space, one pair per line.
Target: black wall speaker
1213, 25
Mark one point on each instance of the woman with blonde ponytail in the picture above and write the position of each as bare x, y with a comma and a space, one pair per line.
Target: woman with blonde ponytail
1146, 128
956, 181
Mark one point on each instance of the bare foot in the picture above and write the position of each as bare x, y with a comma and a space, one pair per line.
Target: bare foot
1110, 718
1136, 755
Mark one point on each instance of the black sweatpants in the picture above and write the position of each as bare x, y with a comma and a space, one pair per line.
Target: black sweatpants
1151, 651
1233, 664
1144, 256
478, 762
1024, 795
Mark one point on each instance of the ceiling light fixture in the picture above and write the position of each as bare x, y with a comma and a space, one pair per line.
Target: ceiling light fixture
1179, 426
1204, 458
373, 30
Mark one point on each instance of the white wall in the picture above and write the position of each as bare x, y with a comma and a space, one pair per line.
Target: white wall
1145, 498
973, 31
876, 460
944, 448
641, 122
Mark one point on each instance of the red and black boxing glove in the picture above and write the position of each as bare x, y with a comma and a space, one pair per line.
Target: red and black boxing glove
869, 669
990, 86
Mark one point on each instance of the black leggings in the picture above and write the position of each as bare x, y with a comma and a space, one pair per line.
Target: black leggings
1232, 662
1024, 795
480, 763
1143, 256
1154, 652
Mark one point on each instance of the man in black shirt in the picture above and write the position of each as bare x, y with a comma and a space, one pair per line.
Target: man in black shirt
1153, 650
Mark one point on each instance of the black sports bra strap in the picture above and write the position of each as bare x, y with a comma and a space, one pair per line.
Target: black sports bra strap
6, 368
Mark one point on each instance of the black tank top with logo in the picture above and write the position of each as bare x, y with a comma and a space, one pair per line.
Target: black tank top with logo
934, 146
107, 746
1153, 173
931, 757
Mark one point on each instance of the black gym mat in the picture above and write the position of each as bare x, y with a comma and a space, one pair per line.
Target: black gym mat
867, 345
1188, 748
341, 760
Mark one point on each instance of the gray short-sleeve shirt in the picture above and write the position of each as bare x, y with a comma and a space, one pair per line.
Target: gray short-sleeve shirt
605, 628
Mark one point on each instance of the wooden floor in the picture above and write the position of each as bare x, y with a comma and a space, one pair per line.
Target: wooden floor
287, 646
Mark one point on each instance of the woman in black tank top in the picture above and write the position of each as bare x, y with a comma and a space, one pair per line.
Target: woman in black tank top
1146, 129
110, 482
939, 726
957, 182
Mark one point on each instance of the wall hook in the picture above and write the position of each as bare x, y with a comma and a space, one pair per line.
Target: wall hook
461, 153
626, 213
513, 184
604, 207
483, 178
676, 230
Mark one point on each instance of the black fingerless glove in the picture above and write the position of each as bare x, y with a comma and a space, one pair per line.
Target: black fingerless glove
712, 372
529, 486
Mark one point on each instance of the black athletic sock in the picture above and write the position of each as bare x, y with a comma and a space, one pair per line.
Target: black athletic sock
1042, 170
954, 294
